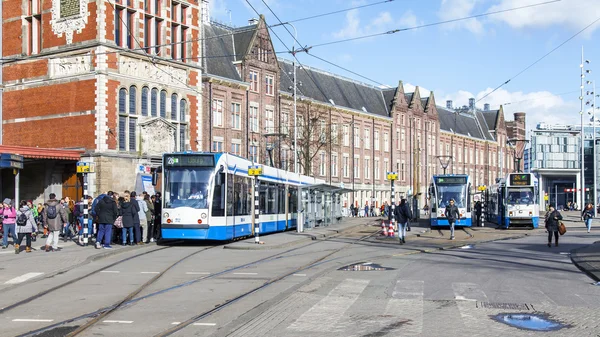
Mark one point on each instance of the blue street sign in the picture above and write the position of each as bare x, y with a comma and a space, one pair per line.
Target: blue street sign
11, 164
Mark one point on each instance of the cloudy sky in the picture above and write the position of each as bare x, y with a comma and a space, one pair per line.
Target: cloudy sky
457, 60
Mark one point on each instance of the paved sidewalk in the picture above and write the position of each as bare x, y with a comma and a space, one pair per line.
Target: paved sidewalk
291, 238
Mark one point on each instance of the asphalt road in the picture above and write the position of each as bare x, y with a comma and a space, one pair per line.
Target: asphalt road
301, 291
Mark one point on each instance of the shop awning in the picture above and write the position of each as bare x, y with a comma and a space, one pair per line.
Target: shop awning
42, 153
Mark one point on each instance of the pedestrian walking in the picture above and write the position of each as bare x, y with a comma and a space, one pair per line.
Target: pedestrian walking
149, 218
403, 215
9, 216
106, 212
55, 218
587, 216
140, 218
26, 227
453, 215
40, 220
127, 213
551, 221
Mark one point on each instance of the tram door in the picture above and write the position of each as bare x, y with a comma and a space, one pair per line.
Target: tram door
287, 206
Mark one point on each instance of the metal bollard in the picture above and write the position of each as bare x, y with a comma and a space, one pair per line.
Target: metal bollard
256, 213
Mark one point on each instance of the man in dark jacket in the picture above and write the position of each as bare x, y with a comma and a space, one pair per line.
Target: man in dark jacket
158, 216
106, 212
552, 221
453, 215
403, 215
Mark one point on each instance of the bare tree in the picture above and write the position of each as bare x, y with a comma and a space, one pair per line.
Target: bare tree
315, 134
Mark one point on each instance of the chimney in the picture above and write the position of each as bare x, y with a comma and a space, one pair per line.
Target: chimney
486, 107
253, 21
472, 103
449, 104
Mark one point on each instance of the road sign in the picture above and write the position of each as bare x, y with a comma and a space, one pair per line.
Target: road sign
255, 170
546, 198
392, 176
83, 167
11, 164
481, 188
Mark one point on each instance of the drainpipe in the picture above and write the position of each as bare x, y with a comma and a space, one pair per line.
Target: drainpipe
247, 123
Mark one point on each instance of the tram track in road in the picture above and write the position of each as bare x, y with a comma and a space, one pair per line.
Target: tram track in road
97, 315
276, 279
79, 278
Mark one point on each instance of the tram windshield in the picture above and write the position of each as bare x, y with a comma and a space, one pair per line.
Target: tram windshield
447, 192
187, 187
520, 196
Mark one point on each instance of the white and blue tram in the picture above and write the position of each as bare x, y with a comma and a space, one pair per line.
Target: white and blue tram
209, 196
442, 190
512, 202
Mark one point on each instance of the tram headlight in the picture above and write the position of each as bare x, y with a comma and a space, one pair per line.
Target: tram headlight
510, 213
203, 215
165, 215
530, 213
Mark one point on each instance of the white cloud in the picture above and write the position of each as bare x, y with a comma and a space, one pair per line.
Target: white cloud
539, 106
382, 22
572, 14
455, 9
424, 92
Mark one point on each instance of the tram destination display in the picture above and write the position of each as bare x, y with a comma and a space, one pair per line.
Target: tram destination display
190, 161
520, 180
451, 180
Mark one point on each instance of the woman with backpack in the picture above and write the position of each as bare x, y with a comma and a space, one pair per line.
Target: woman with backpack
8, 223
552, 220
26, 227
587, 216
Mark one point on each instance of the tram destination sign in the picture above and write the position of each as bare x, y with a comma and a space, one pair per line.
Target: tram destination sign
190, 161
520, 179
451, 180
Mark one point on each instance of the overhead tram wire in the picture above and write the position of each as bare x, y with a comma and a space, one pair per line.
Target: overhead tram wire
541, 97
394, 31
540, 59
331, 13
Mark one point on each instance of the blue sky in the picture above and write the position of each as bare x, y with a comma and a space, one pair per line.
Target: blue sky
457, 60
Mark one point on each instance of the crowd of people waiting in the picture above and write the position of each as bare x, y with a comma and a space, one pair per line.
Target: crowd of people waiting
113, 218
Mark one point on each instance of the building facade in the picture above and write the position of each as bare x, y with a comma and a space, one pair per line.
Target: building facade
555, 156
120, 81
125, 82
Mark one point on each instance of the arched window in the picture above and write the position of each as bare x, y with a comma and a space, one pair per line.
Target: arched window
182, 124
174, 107
145, 101
182, 110
122, 132
132, 100
153, 102
163, 104
122, 100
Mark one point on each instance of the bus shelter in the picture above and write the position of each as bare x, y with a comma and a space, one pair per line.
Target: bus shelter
322, 204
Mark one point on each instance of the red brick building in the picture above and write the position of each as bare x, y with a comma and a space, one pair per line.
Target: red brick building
113, 79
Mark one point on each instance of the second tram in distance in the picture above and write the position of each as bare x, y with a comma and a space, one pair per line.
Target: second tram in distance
513, 202
446, 187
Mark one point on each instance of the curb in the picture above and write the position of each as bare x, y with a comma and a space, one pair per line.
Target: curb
306, 237
583, 265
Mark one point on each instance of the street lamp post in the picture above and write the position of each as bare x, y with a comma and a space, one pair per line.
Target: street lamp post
517, 154
581, 98
592, 112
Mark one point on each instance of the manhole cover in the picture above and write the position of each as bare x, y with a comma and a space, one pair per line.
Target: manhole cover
511, 306
365, 266
529, 322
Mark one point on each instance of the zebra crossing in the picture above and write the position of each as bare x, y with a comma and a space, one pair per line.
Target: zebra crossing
371, 307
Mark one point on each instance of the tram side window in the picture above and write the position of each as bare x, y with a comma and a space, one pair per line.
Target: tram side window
271, 196
281, 199
218, 201
231, 200
262, 197
293, 199
242, 195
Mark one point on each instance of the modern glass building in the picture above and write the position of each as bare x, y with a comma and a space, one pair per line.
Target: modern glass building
555, 157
